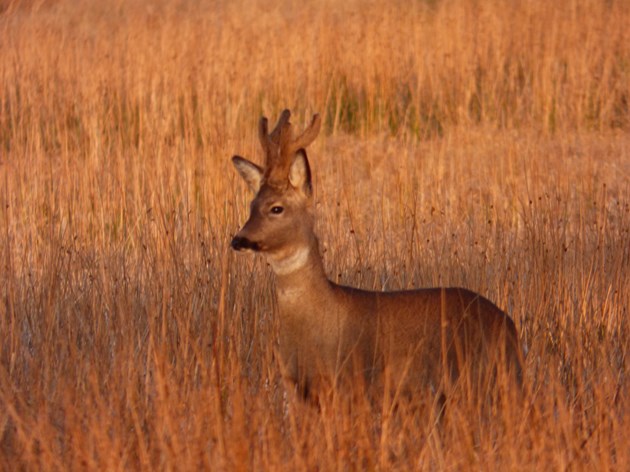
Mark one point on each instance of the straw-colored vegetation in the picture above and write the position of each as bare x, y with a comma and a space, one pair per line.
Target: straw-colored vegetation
474, 143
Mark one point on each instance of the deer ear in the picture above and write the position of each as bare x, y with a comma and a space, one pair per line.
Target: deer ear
252, 174
300, 173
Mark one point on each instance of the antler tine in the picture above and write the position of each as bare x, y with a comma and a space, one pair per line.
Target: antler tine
309, 134
283, 121
263, 134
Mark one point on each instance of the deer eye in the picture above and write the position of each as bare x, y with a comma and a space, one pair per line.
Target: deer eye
276, 210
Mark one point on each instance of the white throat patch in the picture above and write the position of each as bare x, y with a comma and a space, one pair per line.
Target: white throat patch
291, 263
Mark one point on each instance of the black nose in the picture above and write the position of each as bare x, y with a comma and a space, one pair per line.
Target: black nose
239, 243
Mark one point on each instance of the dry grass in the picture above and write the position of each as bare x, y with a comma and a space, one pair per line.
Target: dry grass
482, 144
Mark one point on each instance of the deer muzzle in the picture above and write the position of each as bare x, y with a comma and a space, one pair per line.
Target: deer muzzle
240, 243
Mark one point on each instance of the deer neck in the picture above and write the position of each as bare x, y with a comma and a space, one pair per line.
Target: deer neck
300, 274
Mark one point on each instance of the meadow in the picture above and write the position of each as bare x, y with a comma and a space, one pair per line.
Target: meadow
468, 143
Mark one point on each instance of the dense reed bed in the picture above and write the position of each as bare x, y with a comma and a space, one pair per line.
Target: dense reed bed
482, 144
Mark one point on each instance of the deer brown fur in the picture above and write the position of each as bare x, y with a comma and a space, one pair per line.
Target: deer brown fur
328, 332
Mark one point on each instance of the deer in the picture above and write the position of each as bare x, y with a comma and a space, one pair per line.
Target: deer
407, 339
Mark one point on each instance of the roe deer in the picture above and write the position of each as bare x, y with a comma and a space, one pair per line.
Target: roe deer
415, 338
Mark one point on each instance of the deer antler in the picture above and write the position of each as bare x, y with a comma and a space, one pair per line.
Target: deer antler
309, 134
271, 142
279, 146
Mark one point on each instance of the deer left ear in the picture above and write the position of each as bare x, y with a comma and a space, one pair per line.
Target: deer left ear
300, 173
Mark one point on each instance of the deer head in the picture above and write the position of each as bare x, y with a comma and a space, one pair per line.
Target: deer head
280, 222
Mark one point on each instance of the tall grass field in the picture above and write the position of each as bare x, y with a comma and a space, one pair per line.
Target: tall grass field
483, 144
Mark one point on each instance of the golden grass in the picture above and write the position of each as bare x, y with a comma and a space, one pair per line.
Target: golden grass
482, 144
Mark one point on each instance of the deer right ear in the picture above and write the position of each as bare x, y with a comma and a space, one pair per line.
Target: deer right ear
252, 174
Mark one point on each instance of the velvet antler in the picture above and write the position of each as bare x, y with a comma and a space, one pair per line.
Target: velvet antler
280, 146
